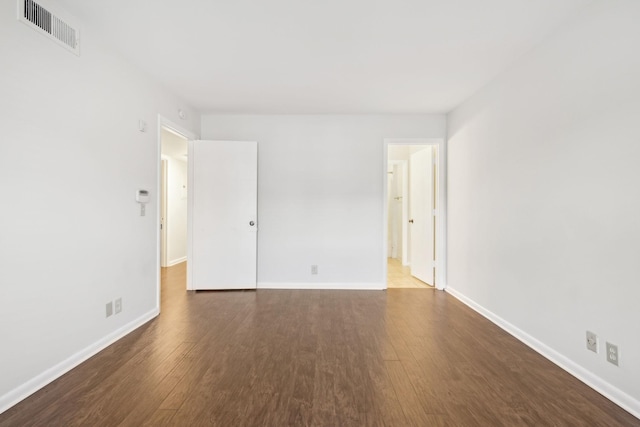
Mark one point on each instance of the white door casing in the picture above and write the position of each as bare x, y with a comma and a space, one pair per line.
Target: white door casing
223, 219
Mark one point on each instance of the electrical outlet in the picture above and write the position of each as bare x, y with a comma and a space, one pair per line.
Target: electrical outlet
592, 342
109, 308
314, 269
612, 354
118, 305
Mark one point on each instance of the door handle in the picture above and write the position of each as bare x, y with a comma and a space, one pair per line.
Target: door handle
251, 223
410, 221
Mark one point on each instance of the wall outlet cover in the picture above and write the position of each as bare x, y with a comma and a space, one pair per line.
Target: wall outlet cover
612, 354
118, 305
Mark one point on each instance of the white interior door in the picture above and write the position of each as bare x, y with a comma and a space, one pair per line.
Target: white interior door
223, 184
421, 215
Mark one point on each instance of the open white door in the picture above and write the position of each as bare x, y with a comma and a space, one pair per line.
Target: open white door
223, 184
421, 215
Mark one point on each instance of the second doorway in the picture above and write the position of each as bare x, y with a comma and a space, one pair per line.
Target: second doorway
411, 203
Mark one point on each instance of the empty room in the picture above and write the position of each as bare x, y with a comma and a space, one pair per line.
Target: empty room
339, 213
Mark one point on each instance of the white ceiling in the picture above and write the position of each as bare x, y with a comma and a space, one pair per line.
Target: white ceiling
323, 56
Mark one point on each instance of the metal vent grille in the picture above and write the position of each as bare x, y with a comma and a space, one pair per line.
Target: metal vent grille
49, 23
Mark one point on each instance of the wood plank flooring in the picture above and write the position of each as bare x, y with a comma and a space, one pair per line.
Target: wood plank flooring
404, 357
399, 276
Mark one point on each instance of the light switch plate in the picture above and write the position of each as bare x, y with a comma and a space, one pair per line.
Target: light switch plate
592, 342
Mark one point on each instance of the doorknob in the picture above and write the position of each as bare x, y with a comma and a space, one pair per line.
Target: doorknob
411, 221
251, 223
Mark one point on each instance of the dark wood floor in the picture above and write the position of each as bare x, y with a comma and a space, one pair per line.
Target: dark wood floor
404, 357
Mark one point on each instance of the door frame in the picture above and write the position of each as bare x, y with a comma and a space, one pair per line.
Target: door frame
441, 200
163, 122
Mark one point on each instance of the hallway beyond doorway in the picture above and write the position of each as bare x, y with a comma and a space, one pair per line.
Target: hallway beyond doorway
399, 276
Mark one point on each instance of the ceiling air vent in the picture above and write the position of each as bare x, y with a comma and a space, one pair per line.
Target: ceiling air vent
53, 24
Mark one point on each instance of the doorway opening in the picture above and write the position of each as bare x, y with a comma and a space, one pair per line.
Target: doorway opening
172, 223
173, 198
414, 213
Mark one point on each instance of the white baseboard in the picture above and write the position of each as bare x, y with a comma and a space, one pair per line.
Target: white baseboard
611, 392
176, 261
319, 285
25, 390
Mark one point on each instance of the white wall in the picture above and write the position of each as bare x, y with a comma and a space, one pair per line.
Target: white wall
399, 152
544, 228
71, 158
177, 212
403, 152
173, 150
320, 192
394, 210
